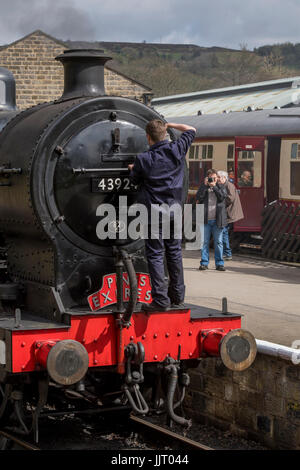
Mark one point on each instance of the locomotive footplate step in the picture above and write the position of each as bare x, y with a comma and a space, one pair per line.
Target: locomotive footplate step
27, 322
197, 311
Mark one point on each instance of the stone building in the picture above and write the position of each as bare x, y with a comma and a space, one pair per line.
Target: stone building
39, 78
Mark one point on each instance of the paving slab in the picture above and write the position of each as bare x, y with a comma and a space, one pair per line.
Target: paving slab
266, 293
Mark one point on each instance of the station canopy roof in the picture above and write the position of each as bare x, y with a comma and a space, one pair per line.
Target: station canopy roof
283, 93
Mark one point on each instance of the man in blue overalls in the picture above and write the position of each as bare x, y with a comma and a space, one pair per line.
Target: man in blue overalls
160, 174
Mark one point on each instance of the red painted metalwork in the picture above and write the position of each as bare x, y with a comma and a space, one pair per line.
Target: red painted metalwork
162, 334
211, 341
42, 349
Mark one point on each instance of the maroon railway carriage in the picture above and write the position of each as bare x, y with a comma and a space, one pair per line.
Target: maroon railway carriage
264, 145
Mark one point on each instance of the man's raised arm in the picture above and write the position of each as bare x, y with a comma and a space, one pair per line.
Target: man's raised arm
180, 127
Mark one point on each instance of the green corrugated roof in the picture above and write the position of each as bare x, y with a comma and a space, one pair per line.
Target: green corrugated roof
263, 95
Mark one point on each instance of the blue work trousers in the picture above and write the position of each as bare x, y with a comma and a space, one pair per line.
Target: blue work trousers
211, 228
157, 250
226, 245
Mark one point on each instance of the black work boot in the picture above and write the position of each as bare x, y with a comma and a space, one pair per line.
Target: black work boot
153, 307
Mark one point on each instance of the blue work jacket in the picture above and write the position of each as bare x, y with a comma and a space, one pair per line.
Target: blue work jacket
160, 171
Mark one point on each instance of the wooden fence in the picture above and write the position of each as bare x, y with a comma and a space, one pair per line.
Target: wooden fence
281, 231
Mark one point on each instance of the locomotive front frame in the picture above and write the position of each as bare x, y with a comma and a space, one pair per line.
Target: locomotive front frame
49, 337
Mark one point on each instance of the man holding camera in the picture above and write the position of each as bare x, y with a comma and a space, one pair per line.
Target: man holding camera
213, 195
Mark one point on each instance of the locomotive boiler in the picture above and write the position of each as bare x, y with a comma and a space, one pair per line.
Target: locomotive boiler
72, 331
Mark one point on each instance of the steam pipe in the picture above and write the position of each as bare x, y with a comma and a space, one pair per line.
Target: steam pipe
172, 382
133, 287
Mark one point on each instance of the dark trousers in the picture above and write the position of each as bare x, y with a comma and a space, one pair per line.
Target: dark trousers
156, 251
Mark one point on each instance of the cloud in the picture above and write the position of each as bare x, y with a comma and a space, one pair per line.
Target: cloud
226, 23
59, 19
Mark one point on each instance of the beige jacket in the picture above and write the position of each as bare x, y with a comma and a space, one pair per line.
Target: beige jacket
233, 204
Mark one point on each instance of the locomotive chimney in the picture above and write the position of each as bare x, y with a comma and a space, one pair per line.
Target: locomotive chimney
83, 72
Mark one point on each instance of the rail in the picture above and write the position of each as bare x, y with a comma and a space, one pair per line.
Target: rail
11, 437
194, 445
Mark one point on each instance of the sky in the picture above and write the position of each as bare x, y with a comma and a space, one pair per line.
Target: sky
223, 23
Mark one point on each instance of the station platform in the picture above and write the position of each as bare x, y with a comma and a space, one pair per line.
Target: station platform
266, 293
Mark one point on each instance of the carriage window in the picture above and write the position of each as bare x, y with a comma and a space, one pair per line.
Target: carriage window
249, 168
2, 92
230, 160
294, 151
230, 149
295, 170
207, 152
201, 152
295, 178
194, 152
200, 161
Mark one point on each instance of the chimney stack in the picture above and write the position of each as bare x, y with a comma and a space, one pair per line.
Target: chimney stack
83, 72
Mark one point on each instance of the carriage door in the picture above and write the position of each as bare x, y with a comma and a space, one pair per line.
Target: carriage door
249, 180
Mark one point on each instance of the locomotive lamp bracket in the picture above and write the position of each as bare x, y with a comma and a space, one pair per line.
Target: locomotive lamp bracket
116, 144
59, 150
224, 306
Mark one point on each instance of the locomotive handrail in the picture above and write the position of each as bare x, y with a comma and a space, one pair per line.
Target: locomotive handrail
8, 171
98, 170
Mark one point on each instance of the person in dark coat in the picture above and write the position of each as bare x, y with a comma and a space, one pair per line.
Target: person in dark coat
160, 174
213, 195
234, 211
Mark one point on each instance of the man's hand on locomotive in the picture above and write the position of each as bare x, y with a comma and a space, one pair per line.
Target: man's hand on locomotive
168, 125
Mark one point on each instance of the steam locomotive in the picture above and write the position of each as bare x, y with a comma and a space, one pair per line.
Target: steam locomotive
72, 333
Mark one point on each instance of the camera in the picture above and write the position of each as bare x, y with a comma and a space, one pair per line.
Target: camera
210, 180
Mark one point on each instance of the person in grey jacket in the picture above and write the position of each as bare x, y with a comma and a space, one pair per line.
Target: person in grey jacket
234, 211
212, 194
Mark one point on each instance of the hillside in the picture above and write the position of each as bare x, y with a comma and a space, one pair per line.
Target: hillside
182, 68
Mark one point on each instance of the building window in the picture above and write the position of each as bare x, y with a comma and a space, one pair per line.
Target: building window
2, 92
295, 170
200, 161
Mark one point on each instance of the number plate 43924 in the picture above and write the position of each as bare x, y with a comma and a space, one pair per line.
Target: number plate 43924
112, 184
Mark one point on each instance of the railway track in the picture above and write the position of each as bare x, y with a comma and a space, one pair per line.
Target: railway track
150, 431
145, 425
6, 438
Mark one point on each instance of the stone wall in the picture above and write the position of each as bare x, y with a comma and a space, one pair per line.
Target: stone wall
261, 403
39, 78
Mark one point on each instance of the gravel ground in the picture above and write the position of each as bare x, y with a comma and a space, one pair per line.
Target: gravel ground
98, 433
91, 433
212, 437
